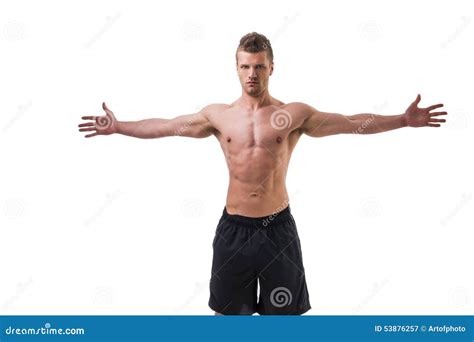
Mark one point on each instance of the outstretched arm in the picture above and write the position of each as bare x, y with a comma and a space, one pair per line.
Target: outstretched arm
319, 124
195, 125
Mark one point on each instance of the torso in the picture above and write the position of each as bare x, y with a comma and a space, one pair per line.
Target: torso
257, 147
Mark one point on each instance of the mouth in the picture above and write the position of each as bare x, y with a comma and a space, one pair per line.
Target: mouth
252, 83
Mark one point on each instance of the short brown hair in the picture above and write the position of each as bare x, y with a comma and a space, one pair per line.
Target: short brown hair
255, 42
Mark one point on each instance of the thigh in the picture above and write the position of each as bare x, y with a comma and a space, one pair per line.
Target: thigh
283, 289
233, 286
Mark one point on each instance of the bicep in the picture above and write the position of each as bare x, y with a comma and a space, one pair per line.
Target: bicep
320, 124
195, 125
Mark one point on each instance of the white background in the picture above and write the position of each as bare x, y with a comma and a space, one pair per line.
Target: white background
119, 225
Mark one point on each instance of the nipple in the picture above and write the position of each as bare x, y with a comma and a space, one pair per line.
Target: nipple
278, 139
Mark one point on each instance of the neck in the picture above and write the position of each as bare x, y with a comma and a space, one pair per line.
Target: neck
255, 102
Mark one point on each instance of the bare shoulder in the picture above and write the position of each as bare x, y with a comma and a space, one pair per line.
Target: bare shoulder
214, 108
300, 109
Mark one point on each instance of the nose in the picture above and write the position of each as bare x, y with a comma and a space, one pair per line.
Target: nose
253, 73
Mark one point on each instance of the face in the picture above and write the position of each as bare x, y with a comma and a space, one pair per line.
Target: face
254, 70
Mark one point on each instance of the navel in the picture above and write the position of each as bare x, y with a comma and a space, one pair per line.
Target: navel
278, 139
228, 139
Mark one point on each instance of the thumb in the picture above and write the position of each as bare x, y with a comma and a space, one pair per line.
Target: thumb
104, 106
418, 99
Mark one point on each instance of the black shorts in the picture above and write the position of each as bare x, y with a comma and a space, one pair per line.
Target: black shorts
264, 250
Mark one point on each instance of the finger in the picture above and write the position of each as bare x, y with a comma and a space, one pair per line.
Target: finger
418, 99
434, 125
104, 107
434, 106
86, 124
89, 117
91, 135
87, 129
438, 113
437, 120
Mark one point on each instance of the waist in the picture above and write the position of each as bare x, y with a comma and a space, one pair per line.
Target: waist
275, 218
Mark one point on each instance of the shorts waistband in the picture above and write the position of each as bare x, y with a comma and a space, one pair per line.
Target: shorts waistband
263, 221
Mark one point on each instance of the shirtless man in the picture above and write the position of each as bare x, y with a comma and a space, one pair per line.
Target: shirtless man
256, 240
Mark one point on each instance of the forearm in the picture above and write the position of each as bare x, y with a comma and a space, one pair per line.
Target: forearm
373, 123
144, 129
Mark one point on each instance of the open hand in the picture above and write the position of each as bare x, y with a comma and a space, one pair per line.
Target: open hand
420, 117
103, 125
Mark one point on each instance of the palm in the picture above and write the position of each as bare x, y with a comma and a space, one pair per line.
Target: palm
420, 117
102, 125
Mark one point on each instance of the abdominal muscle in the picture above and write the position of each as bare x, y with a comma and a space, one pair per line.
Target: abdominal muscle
256, 186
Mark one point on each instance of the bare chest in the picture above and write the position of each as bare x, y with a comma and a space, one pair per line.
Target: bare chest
270, 128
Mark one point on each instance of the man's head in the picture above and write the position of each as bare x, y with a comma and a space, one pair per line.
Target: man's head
254, 61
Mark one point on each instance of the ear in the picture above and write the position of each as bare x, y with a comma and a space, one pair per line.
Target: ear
271, 68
